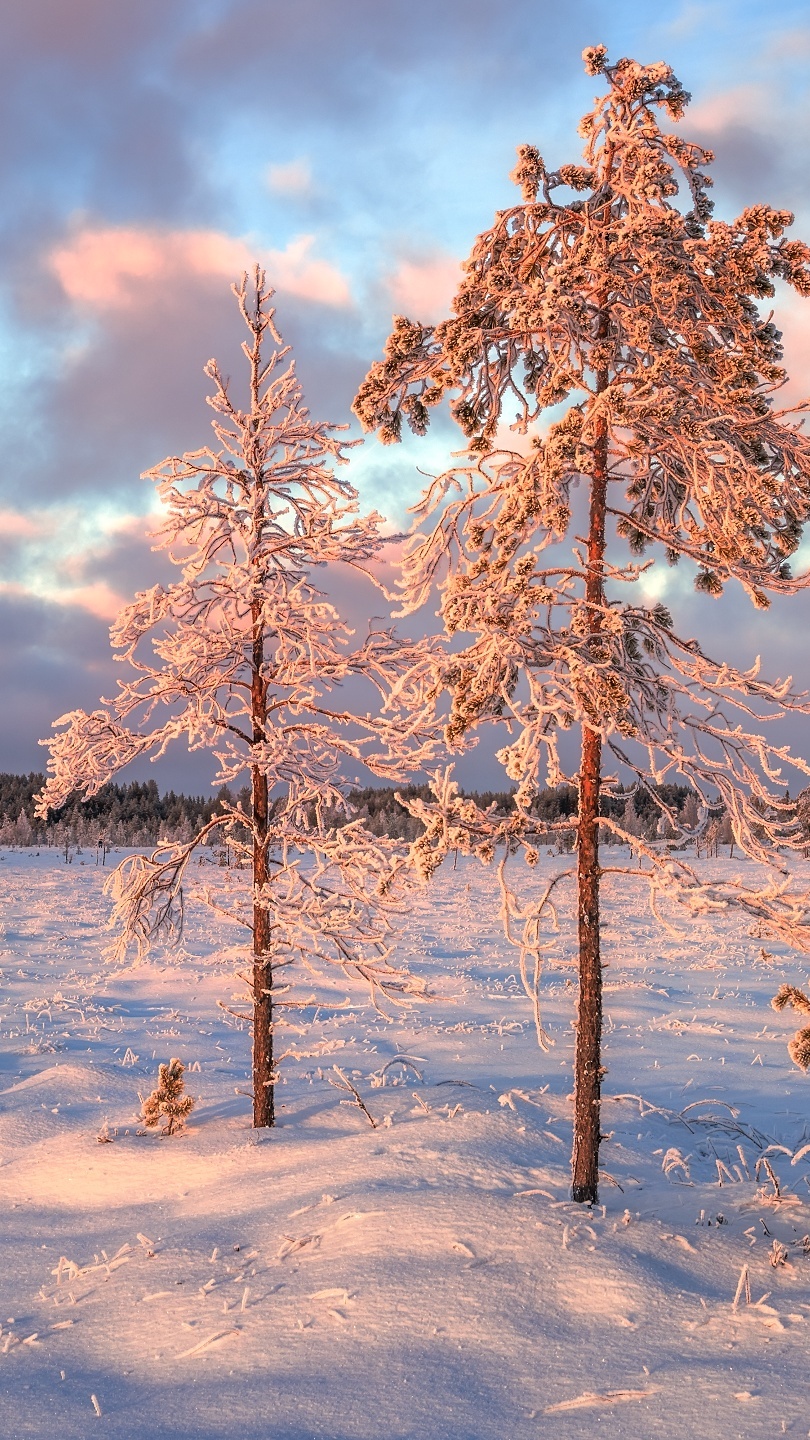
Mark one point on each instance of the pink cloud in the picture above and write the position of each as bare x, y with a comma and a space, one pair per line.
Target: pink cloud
14, 590
294, 179
423, 289
14, 526
295, 270
108, 267
793, 319
740, 105
97, 599
790, 45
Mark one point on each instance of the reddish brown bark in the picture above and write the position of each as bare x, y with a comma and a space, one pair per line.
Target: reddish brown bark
588, 1053
263, 1085
264, 1113
588, 1056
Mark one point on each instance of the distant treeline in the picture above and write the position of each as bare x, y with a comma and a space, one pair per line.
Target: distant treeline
138, 815
131, 815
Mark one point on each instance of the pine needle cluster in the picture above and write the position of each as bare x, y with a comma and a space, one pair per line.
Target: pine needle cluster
168, 1099
799, 1046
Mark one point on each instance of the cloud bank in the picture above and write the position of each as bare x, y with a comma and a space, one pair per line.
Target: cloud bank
153, 152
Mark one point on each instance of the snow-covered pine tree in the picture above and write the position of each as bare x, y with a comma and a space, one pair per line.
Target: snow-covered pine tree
25, 830
168, 1100
638, 327
244, 655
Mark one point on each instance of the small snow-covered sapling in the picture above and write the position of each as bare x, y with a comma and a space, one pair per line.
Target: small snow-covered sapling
168, 1099
799, 1046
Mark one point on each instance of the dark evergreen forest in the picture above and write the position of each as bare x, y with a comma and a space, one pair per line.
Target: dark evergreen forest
138, 815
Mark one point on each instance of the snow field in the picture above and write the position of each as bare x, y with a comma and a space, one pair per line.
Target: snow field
428, 1277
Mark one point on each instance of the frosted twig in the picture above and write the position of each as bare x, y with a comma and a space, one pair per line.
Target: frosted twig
344, 1083
743, 1284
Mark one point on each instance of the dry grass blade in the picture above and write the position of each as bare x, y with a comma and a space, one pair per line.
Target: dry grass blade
589, 1400
404, 1060
206, 1344
772, 1176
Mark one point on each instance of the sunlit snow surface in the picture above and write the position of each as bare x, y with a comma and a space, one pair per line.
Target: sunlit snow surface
428, 1278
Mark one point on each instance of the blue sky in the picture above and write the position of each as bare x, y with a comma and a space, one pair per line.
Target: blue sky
151, 150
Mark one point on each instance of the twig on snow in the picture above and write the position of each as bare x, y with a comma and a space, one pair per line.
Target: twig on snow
344, 1083
743, 1284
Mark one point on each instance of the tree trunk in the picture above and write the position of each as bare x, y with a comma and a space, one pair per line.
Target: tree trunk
588, 1057
588, 1054
263, 1084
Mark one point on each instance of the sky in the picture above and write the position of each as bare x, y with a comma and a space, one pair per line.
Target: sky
153, 151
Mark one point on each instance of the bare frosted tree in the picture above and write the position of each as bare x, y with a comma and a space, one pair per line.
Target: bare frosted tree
244, 655
626, 339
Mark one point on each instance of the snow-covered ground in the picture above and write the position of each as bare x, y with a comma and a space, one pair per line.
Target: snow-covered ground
428, 1278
